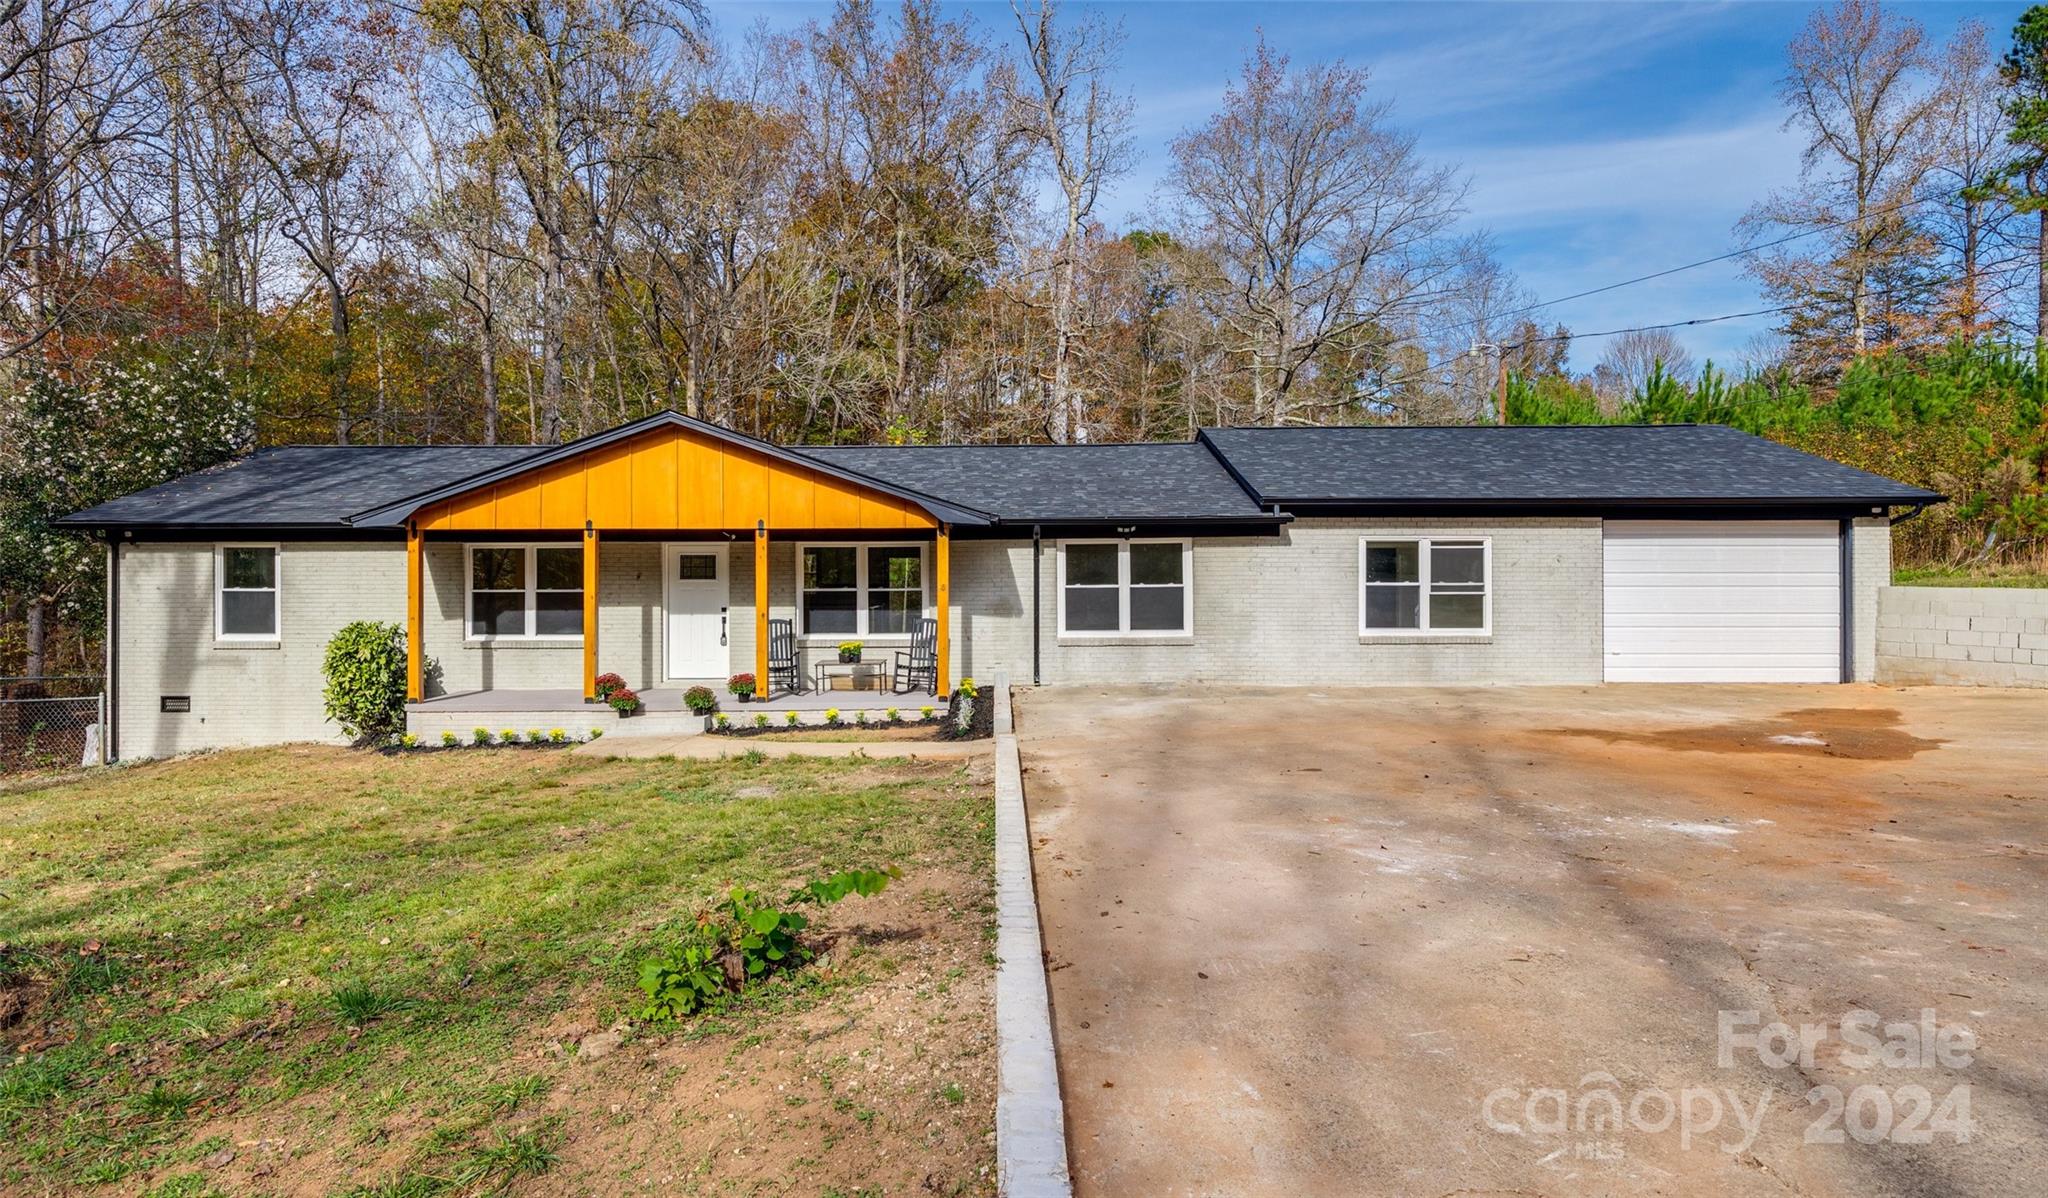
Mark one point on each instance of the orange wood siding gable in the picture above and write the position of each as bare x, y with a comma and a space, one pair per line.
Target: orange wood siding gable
670, 478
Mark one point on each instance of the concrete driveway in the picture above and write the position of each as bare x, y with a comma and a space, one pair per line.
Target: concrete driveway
1482, 941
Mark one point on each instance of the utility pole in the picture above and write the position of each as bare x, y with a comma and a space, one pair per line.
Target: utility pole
1500, 390
1500, 407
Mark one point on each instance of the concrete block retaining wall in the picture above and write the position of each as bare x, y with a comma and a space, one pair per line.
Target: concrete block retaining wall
1962, 636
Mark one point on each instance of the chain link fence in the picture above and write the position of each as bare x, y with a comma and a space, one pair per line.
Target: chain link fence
51, 723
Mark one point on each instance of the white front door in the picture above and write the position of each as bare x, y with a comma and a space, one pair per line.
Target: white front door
697, 596
1723, 601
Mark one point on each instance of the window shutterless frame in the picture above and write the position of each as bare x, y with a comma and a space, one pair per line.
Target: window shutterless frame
1125, 587
221, 590
863, 590
1427, 585
529, 589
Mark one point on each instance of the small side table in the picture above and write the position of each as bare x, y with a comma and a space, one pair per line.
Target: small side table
822, 674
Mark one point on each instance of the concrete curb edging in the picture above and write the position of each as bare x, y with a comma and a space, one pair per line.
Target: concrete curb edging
1031, 1125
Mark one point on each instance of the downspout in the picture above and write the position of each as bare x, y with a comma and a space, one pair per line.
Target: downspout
110, 750
1037, 548
1848, 599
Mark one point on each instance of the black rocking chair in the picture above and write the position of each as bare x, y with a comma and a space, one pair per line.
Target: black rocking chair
919, 663
782, 658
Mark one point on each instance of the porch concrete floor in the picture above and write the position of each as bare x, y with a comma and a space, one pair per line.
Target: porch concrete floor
670, 698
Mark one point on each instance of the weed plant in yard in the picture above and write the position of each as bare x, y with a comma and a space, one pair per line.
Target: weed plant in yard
322, 971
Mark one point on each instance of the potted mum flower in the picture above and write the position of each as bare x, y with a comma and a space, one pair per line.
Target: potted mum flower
741, 686
623, 701
849, 652
608, 683
700, 700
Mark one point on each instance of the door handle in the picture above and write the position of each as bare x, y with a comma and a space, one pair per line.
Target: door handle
721, 624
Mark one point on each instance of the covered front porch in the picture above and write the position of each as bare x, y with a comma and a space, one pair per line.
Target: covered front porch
672, 553
524, 710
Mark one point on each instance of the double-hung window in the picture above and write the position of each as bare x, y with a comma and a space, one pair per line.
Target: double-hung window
1126, 588
245, 592
860, 590
525, 592
1424, 585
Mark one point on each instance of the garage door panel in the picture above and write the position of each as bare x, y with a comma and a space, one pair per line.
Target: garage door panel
1714, 642
1763, 603
1722, 601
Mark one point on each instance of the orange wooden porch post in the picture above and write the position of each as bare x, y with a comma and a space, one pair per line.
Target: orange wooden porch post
589, 611
943, 650
761, 609
415, 665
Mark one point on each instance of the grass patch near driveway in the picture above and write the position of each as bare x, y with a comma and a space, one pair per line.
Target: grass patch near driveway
1966, 576
322, 971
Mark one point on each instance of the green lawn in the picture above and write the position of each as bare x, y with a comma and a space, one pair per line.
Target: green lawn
1956, 576
323, 970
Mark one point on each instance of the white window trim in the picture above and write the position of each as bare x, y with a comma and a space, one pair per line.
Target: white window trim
860, 591
1123, 631
220, 578
1422, 545
529, 637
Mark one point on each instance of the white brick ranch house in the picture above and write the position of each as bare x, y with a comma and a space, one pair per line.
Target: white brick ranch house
662, 551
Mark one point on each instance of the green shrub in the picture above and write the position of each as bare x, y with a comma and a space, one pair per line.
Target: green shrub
894, 715
724, 720
760, 719
860, 717
791, 717
535, 736
927, 710
743, 941
365, 671
596, 732
481, 736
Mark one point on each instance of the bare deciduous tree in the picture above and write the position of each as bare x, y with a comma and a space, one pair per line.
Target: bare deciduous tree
1858, 87
1079, 128
1320, 216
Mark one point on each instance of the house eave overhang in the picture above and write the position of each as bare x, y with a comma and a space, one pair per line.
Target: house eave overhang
395, 514
1617, 507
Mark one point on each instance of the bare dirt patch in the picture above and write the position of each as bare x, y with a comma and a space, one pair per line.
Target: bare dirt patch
1859, 733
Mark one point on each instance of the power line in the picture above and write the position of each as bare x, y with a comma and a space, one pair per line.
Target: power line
1986, 271
1743, 252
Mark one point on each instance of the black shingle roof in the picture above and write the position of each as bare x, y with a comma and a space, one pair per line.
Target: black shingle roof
1608, 466
300, 485
1408, 465
1053, 484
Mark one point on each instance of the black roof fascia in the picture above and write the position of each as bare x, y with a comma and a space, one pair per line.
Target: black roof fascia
1627, 509
396, 513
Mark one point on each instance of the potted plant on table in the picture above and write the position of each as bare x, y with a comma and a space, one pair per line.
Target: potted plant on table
623, 701
741, 686
849, 652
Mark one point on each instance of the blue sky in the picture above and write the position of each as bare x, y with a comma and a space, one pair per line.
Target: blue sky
1601, 141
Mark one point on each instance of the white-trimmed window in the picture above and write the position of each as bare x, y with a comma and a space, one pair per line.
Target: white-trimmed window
245, 592
525, 592
1127, 588
854, 591
1411, 585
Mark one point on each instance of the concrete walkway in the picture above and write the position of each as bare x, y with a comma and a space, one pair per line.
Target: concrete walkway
701, 747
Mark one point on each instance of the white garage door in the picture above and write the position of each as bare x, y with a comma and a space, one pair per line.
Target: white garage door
1723, 601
